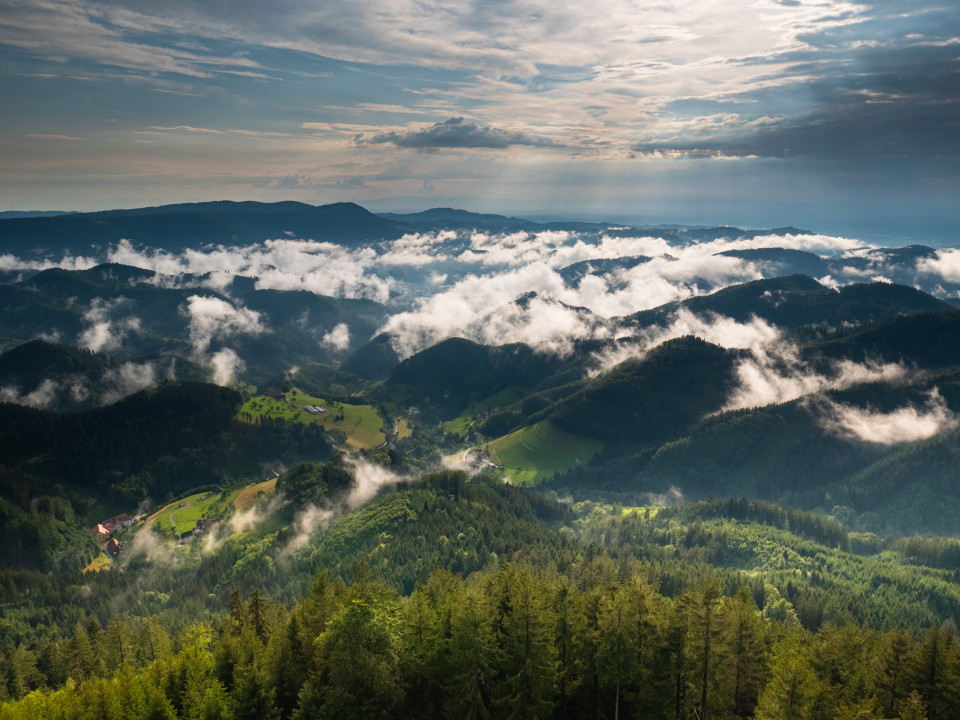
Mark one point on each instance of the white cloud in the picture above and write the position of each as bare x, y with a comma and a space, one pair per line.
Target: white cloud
756, 335
338, 338
776, 374
104, 333
226, 364
126, 379
212, 318
945, 265
368, 480
904, 425
40, 397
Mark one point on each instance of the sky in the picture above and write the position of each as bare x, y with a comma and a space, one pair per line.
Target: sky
826, 114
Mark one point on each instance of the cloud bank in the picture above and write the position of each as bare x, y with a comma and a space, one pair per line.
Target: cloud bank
904, 425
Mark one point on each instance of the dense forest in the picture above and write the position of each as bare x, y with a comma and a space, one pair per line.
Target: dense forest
518, 641
459, 597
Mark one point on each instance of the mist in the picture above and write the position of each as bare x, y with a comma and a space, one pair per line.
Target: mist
368, 480
904, 425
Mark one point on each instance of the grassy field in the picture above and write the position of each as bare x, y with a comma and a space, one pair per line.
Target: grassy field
250, 493
186, 518
535, 453
183, 519
362, 424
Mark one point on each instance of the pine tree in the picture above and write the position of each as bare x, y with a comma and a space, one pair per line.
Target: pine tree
360, 654
933, 672
792, 689
741, 646
528, 665
473, 654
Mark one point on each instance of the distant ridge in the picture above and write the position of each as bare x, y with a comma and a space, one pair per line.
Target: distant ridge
174, 227
453, 218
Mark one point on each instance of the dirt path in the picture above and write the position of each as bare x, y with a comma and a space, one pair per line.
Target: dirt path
173, 523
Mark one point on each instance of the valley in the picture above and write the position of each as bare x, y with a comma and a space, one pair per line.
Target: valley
446, 448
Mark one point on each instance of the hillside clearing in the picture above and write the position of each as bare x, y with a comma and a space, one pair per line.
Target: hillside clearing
250, 494
535, 453
361, 424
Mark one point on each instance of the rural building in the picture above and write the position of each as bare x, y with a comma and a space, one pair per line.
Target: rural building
100, 532
113, 547
122, 520
204, 525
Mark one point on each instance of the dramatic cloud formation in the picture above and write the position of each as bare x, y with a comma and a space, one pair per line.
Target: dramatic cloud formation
454, 133
618, 106
905, 425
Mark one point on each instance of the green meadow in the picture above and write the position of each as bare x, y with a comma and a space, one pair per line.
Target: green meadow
362, 424
535, 453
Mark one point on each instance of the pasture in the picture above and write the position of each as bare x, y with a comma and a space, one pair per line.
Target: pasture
536, 452
362, 424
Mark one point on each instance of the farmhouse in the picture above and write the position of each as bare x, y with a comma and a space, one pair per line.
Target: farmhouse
203, 525
122, 520
100, 532
114, 547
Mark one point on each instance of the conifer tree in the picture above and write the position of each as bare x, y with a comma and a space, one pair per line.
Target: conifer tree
792, 689
472, 651
528, 665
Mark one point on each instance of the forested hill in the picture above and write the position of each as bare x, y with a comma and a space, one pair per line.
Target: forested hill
587, 610
797, 300
175, 227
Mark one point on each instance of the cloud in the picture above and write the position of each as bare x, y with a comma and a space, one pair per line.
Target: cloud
904, 425
338, 338
453, 133
945, 264
501, 308
103, 333
127, 379
226, 364
368, 480
212, 318
41, 397
776, 374
282, 264
756, 335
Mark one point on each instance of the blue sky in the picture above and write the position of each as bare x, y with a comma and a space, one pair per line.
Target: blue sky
757, 112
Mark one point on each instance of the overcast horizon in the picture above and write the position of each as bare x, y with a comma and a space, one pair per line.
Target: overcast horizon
833, 115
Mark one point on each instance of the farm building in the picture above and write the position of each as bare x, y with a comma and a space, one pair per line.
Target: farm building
204, 525
113, 547
100, 532
119, 521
